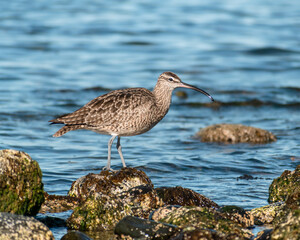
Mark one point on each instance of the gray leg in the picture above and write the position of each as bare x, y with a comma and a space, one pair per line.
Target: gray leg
120, 151
107, 167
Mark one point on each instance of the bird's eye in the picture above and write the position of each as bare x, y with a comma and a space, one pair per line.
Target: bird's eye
171, 79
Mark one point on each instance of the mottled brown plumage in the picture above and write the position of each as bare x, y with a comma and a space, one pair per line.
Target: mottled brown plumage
125, 112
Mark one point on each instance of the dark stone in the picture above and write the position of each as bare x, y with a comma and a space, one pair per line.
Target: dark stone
14, 226
145, 229
21, 187
184, 197
51, 222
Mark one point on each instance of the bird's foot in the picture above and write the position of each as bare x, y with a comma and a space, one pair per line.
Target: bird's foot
107, 168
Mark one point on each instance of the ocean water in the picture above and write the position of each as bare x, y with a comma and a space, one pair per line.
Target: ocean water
57, 56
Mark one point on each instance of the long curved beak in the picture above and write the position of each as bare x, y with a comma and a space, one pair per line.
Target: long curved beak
185, 85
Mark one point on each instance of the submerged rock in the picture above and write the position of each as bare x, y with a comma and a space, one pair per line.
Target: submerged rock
110, 196
285, 185
234, 133
144, 229
21, 187
14, 226
184, 197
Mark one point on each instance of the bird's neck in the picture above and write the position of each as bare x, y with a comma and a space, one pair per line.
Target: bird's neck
163, 97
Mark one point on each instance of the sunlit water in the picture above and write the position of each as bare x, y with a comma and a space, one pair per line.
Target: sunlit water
57, 56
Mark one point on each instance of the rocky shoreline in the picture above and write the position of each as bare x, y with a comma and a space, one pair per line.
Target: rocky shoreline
125, 204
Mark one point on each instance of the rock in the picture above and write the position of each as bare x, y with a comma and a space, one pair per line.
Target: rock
21, 187
108, 182
110, 196
205, 234
56, 204
75, 235
238, 215
162, 212
191, 218
264, 235
266, 214
289, 228
283, 186
184, 197
14, 226
144, 229
234, 133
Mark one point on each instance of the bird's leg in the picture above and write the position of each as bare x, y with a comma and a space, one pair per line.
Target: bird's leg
120, 151
110, 142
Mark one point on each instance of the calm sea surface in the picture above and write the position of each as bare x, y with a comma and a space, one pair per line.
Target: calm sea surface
56, 56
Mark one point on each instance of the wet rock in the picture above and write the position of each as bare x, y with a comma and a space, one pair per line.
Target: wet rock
184, 197
162, 212
267, 214
264, 235
238, 215
205, 234
283, 186
110, 197
21, 187
14, 226
234, 133
75, 235
56, 204
144, 229
190, 218
108, 183
288, 228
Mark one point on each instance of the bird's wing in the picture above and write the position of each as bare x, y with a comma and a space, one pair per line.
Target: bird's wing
108, 108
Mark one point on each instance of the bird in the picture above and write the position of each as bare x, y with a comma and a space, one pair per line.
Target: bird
124, 112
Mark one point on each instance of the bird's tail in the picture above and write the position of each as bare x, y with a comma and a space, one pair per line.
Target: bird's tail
66, 129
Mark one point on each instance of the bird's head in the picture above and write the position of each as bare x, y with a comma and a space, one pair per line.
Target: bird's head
172, 81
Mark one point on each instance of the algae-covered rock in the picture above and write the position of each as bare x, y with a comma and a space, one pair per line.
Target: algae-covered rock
266, 214
234, 133
98, 213
184, 197
191, 218
108, 182
21, 187
138, 228
289, 228
205, 234
283, 186
110, 197
238, 215
14, 226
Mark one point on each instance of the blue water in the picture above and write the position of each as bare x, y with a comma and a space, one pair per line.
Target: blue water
56, 56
